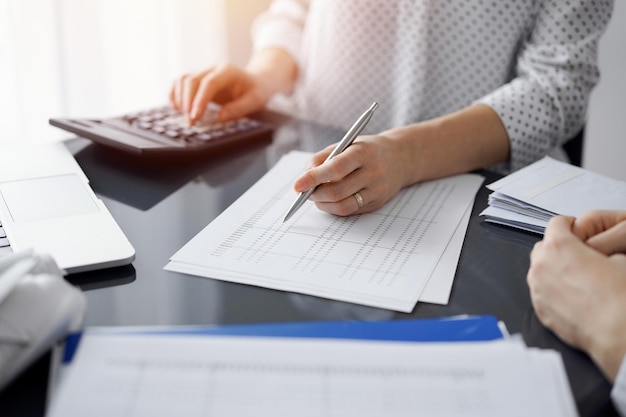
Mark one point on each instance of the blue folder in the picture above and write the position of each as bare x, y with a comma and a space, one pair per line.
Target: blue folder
453, 329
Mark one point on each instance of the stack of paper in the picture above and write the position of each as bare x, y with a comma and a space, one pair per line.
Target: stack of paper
390, 258
138, 374
528, 198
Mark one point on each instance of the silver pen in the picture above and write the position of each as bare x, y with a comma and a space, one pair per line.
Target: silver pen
346, 141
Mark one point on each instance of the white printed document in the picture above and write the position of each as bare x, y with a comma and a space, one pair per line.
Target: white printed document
382, 259
527, 199
194, 376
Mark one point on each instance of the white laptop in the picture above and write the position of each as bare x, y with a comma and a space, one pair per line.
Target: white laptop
46, 204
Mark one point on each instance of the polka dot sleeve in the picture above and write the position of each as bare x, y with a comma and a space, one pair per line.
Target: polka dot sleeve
545, 105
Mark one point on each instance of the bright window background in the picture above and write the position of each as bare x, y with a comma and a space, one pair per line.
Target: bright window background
77, 58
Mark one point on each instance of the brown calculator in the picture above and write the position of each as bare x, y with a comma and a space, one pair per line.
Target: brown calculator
163, 130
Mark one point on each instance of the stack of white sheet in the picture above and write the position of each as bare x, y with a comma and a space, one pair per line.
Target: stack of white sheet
390, 258
527, 199
164, 375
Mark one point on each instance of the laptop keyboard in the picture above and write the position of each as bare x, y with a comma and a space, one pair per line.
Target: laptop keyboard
5, 247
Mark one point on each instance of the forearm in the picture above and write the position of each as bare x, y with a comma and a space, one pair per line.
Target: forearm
276, 37
275, 69
469, 139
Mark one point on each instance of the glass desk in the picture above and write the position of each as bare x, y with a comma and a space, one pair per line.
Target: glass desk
162, 203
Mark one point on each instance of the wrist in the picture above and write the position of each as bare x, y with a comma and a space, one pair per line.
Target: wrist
274, 71
609, 360
412, 151
607, 348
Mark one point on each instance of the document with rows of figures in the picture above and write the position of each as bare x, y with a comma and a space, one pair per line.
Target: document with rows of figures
383, 259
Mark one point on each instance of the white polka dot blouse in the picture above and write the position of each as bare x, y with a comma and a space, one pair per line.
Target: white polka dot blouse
533, 62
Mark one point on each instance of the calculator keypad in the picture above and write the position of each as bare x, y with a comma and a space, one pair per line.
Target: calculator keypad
170, 123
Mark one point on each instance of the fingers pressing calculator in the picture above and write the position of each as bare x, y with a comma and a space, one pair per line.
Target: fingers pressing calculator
163, 130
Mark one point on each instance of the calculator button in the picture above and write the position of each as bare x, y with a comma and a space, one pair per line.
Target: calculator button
164, 124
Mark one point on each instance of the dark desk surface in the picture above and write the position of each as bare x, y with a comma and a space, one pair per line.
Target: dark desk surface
162, 204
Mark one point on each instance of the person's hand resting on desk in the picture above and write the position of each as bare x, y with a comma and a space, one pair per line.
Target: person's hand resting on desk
577, 281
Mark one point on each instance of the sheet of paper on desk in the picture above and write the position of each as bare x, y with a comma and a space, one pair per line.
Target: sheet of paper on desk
528, 198
382, 259
147, 375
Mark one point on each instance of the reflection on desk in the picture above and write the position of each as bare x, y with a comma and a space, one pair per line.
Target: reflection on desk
143, 182
103, 278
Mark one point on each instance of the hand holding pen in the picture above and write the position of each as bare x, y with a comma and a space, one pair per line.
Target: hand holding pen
346, 141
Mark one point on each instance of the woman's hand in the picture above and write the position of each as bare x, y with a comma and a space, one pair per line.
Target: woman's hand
373, 166
377, 167
239, 92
